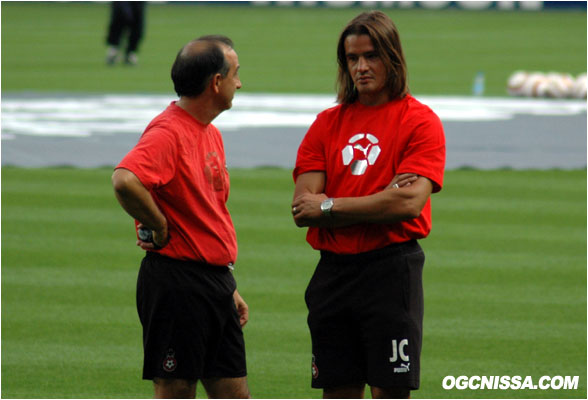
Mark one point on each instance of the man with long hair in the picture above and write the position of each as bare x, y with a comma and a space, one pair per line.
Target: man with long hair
364, 175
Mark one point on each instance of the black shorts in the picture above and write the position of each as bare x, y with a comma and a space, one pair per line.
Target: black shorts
191, 326
365, 317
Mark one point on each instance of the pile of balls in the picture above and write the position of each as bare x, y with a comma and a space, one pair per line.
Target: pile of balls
553, 84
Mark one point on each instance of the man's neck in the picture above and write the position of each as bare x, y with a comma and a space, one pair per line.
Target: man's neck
372, 100
199, 108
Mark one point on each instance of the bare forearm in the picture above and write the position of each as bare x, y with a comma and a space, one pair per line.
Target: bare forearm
393, 204
388, 206
141, 209
136, 200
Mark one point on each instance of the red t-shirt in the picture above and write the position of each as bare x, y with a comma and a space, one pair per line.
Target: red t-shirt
361, 149
182, 163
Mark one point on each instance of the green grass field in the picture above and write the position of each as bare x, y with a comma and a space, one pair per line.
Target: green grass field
505, 278
505, 284
61, 46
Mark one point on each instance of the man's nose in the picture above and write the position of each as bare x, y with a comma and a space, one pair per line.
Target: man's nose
362, 64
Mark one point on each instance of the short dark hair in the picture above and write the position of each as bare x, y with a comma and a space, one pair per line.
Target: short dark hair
386, 41
196, 65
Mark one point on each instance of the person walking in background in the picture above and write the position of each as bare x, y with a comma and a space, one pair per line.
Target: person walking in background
175, 184
127, 18
364, 175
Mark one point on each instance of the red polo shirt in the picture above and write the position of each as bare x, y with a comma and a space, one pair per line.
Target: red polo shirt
182, 163
361, 149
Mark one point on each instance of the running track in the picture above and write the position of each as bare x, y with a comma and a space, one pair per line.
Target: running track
265, 130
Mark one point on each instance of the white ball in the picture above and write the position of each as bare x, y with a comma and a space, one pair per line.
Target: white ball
579, 87
535, 85
559, 86
516, 82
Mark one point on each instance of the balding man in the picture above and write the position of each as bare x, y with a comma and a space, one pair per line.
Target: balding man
175, 184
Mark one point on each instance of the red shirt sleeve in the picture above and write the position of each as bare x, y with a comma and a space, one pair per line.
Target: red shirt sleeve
425, 151
153, 159
311, 153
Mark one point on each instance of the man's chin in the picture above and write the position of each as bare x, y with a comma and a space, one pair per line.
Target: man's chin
229, 104
365, 91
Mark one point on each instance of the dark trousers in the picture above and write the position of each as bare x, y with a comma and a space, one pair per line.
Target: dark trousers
126, 16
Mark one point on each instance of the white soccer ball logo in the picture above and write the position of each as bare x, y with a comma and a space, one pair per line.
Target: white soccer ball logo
367, 154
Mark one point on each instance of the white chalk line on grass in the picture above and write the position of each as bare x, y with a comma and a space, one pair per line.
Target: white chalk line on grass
108, 114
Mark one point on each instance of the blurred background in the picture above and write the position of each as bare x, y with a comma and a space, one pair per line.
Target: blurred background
61, 79
289, 47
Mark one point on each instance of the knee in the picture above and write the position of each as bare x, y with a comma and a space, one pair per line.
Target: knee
229, 393
227, 388
174, 389
353, 391
390, 393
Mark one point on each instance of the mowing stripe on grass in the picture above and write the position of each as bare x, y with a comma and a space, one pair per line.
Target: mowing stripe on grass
505, 291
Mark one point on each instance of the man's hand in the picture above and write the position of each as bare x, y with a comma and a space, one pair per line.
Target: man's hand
160, 238
242, 308
402, 180
306, 209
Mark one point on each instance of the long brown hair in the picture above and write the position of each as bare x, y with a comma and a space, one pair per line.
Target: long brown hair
386, 42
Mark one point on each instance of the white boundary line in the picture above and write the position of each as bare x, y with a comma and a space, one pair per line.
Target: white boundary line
83, 116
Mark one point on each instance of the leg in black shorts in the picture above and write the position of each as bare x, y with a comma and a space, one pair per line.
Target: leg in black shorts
191, 327
365, 318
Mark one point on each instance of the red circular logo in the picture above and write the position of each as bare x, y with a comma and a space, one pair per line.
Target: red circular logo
169, 362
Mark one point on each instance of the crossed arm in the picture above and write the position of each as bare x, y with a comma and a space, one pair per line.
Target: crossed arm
393, 204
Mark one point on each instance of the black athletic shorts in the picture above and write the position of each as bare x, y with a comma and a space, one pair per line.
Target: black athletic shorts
191, 326
365, 317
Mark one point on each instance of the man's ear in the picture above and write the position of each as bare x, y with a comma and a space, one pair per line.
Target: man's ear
215, 83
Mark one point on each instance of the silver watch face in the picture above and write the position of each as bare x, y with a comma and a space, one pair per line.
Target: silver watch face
326, 205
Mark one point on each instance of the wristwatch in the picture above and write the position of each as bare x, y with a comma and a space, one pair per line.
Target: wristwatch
327, 206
